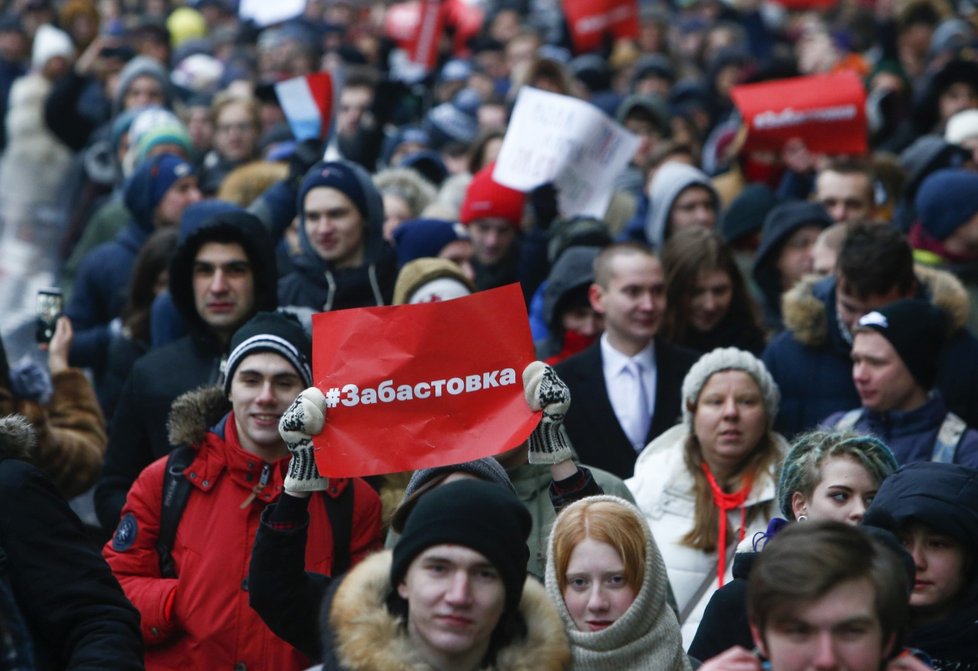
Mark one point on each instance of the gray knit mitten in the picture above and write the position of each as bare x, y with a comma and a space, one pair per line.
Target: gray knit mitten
304, 418
545, 391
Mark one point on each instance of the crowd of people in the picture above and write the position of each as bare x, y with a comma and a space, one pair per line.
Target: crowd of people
757, 382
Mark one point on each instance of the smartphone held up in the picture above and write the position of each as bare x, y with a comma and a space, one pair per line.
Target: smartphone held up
49, 306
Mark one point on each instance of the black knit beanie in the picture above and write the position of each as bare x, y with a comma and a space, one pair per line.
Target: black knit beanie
916, 329
274, 332
479, 515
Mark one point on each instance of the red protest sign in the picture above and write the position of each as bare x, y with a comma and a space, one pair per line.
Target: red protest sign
591, 20
416, 386
828, 112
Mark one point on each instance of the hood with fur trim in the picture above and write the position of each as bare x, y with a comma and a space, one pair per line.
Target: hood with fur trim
368, 636
17, 439
194, 413
809, 307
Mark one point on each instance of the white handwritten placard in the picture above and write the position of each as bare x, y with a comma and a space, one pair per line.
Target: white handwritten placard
567, 141
268, 12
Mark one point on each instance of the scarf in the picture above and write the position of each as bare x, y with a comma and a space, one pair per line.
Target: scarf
726, 502
645, 638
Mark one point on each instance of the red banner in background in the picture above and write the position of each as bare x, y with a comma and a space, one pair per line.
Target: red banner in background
591, 20
405, 23
416, 386
828, 112
423, 48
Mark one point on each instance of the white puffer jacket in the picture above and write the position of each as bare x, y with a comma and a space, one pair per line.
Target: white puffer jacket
663, 490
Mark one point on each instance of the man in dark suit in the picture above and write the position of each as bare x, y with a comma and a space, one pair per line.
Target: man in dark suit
625, 388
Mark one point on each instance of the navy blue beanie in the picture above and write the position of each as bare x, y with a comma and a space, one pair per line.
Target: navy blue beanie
422, 238
947, 200
150, 182
352, 181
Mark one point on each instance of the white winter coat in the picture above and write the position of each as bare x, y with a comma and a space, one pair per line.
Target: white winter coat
663, 490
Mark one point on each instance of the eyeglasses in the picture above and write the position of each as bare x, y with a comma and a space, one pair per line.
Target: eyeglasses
243, 127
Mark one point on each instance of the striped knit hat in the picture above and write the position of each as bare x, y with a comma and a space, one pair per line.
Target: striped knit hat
274, 332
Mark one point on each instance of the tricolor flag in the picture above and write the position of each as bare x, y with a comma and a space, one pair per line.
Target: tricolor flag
308, 105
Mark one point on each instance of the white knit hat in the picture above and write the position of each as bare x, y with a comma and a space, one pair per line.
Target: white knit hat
50, 42
962, 126
729, 358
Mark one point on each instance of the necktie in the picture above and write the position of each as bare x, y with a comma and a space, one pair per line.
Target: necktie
640, 415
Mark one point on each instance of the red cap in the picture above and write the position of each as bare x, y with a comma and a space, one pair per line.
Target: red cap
486, 199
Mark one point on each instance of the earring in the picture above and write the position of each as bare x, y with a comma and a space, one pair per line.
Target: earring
802, 518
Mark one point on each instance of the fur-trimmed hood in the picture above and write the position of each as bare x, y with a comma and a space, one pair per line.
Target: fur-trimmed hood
17, 438
194, 413
809, 307
369, 637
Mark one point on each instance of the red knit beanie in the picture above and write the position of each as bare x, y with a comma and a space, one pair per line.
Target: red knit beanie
486, 199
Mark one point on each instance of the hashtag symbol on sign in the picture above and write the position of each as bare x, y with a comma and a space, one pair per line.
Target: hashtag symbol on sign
332, 397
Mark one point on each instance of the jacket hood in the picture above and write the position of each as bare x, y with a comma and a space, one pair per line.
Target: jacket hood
574, 269
142, 66
809, 307
670, 180
17, 438
194, 413
368, 636
779, 224
217, 221
943, 497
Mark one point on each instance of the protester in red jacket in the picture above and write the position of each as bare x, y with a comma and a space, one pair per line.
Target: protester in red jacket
201, 618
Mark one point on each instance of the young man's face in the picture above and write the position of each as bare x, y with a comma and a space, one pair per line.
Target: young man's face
694, 206
847, 197
235, 132
882, 380
795, 260
334, 226
492, 239
455, 599
354, 103
839, 631
850, 307
263, 387
224, 286
143, 91
633, 301
177, 198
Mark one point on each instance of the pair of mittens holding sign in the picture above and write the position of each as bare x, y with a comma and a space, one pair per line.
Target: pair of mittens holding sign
543, 389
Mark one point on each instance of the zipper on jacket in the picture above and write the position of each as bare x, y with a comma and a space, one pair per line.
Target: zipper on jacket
266, 473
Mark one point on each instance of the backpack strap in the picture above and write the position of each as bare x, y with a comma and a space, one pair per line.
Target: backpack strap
340, 513
848, 420
948, 437
176, 490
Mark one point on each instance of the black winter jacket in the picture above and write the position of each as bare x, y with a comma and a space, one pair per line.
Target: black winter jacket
74, 609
